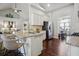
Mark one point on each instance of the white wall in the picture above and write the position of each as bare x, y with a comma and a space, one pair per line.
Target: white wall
66, 11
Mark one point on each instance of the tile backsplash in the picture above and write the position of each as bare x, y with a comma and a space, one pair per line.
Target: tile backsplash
36, 27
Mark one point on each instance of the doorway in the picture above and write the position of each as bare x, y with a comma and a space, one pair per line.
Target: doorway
64, 27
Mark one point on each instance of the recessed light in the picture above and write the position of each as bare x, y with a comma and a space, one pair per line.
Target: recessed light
48, 5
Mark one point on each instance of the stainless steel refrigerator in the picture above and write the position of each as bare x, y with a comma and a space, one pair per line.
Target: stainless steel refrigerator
48, 27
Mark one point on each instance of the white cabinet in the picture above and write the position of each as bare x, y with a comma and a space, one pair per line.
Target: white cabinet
37, 19
34, 45
36, 16
72, 51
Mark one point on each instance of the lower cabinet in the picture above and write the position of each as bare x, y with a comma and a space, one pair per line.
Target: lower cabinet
72, 50
34, 45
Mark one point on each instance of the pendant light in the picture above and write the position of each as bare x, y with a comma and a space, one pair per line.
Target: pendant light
17, 10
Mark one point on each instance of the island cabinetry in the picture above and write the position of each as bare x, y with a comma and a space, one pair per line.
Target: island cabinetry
34, 45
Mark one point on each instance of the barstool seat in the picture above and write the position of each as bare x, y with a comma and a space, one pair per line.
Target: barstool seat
0, 40
11, 44
1, 43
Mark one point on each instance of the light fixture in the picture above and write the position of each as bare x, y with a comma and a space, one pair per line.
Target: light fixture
17, 10
48, 5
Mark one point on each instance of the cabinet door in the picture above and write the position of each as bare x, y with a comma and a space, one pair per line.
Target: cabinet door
36, 45
40, 20
36, 19
27, 46
74, 51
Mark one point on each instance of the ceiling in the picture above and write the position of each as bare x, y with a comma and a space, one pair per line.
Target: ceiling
47, 7
53, 6
4, 6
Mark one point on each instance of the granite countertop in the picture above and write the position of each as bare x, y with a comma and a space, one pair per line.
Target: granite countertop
23, 35
27, 34
73, 40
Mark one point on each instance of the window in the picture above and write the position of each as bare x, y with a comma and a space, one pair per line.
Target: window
65, 25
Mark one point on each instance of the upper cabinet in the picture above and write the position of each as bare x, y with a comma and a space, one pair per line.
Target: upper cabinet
37, 16
36, 19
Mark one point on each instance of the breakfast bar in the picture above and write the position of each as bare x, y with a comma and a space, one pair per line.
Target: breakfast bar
72, 45
73, 40
33, 42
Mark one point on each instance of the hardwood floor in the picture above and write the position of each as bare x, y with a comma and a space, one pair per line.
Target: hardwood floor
53, 47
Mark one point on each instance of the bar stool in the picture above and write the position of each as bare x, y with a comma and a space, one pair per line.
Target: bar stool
0, 41
11, 44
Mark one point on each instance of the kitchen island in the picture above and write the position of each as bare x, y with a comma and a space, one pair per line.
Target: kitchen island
72, 45
73, 40
33, 42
